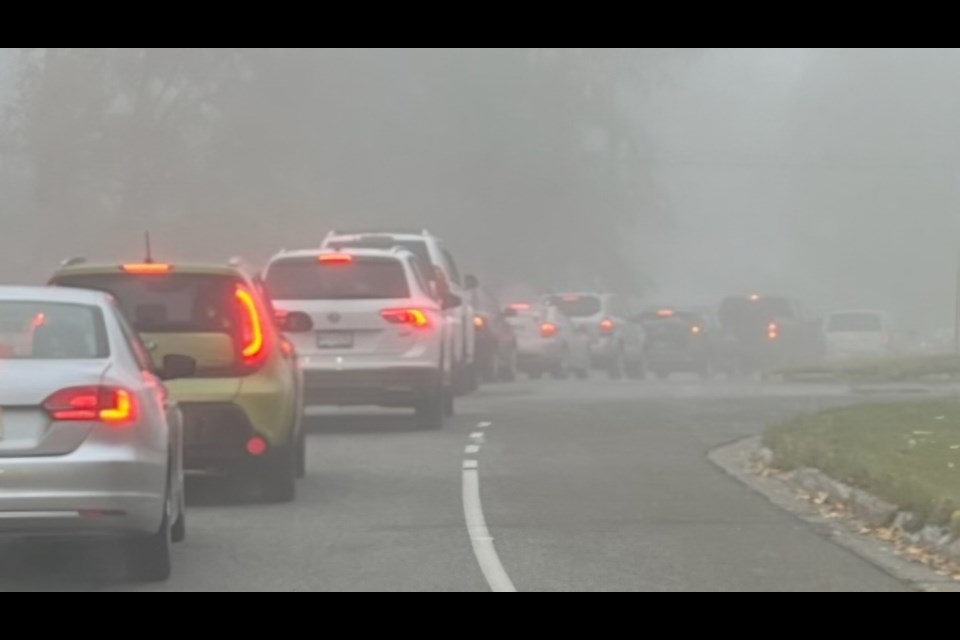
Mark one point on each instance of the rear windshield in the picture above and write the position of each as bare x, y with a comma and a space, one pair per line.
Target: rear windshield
855, 322
174, 303
574, 306
48, 331
417, 247
362, 279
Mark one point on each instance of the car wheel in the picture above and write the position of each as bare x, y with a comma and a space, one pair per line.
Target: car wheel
432, 410
178, 533
302, 457
508, 373
616, 368
150, 558
562, 370
279, 483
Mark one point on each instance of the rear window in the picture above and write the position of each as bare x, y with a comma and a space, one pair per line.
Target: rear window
48, 331
418, 248
574, 306
362, 279
855, 323
173, 303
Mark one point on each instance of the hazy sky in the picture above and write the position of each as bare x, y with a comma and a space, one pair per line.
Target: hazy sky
829, 175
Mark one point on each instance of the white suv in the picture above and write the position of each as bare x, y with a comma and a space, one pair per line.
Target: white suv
441, 270
366, 328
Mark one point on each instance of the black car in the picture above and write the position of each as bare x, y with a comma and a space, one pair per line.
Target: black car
496, 343
680, 342
763, 333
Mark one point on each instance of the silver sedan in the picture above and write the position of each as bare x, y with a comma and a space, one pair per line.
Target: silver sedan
90, 441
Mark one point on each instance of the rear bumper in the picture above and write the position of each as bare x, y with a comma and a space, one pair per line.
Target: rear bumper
388, 387
215, 436
93, 491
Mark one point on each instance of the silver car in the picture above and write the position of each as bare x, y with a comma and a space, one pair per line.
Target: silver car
90, 441
548, 342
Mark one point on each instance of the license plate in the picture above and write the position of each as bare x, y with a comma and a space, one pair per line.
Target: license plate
335, 340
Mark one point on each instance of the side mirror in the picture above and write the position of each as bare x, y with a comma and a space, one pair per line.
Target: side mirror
451, 301
471, 283
177, 366
294, 322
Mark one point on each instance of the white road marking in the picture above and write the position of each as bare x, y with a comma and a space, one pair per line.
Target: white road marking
478, 436
484, 425
470, 465
480, 537
472, 450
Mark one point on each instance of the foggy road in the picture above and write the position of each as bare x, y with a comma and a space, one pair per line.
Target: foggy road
584, 486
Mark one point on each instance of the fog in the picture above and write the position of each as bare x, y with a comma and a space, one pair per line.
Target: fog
830, 176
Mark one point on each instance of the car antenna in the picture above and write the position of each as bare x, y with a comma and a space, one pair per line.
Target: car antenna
149, 259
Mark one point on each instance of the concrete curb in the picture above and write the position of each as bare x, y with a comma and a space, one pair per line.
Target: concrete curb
806, 492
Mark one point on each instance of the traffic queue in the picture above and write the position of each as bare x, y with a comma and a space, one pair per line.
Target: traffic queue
118, 379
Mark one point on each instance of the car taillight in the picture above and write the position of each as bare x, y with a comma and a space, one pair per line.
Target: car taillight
773, 331
111, 405
412, 317
608, 326
696, 330
253, 338
479, 322
549, 330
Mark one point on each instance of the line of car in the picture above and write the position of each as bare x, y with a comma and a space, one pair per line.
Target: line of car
118, 379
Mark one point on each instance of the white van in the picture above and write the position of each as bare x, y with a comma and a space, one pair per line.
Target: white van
857, 334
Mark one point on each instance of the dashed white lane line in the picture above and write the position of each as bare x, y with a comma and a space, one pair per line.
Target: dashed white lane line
484, 425
480, 537
472, 450
469, 465
477, 436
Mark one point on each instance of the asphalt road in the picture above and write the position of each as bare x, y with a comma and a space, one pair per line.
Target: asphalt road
552, 486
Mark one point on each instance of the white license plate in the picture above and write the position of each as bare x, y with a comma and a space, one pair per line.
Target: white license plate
335, 340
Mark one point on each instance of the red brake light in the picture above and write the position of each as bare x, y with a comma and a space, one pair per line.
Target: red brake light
571, 298
696, 330
147, 268
549, 330
257, 446
336, 258
773, 331
111, 405
521, 306
252, 337
39, 320
666, 313
608, 326
413, 317
479, 322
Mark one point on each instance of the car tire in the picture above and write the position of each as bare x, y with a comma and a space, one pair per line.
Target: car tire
432, 410
178, 532
302, 457
561, 371
279, 482
508, 373
636, 371
615, 370
150, 558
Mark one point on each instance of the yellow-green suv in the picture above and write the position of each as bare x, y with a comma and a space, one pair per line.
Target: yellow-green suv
243, 408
